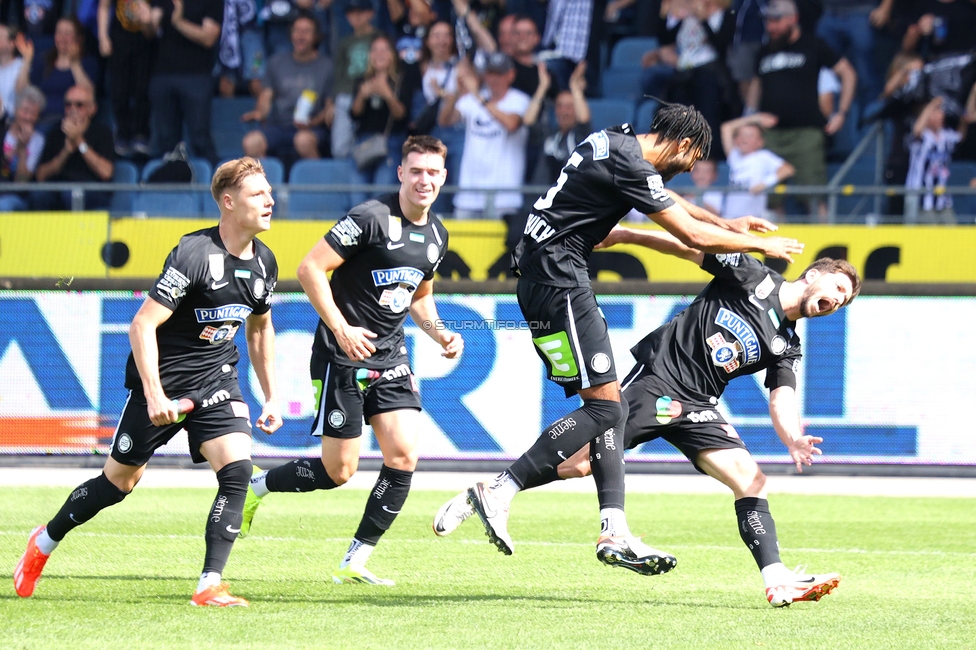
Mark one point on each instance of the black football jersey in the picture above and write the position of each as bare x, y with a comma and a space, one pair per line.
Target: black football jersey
605, 176
211, 293
386, 258
736, 326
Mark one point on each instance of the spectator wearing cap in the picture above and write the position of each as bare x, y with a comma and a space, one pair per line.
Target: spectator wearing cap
351, 58
494, 137
786, 86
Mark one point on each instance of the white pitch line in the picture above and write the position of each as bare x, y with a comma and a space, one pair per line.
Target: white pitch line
342, 540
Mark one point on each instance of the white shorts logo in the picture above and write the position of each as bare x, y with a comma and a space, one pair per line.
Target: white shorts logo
337, 418
124, 444
600, 363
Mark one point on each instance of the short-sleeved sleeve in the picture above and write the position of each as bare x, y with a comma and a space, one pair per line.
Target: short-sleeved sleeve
442, 238
351, 234
176, 279
642, 186
783, 372
264, 303
739, 267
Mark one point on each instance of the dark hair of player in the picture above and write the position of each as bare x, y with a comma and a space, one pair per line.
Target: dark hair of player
829, 265
232, 173
675, 122
424, 144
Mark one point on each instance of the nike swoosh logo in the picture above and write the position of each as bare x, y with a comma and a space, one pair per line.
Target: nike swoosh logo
71, 516
215, 286
561, 455
391, 246
233, 531
392, 512
754, 300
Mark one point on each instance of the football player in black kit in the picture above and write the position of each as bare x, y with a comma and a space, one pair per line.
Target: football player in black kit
383, 255
744, 321
611, 172
183, 351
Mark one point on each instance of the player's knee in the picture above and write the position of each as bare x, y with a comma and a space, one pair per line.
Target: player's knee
405, 461
574, 468
234, 477
605, 413
340, 472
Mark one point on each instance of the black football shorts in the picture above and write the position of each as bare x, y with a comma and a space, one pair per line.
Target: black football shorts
346, 397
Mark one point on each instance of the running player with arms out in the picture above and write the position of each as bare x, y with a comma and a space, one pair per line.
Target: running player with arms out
608, 174
183, 348
382, 256
744, 321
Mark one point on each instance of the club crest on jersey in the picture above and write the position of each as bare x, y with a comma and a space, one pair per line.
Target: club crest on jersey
237, 313
742, 331
778, 345
396, 228
258, 288
432, 252
217, 266
173, 284
400, 275
346, 232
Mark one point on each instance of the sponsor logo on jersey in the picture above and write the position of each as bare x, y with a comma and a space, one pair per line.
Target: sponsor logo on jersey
743, 332
778, 345
655, 184
173, 284
764, 288
401, 370
432, 252
400, 275
703, 416
337, 418
728, 259
346, 232
667, 409
600, 363
396, 299
220, 334
418, 237
237, 313
600, 142
216, 261
724, 354
216, 398
396, 228
538, 228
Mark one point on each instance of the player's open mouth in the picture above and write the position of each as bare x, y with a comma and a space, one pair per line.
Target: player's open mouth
823, 305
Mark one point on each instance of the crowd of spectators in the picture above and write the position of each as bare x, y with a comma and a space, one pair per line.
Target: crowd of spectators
506, 84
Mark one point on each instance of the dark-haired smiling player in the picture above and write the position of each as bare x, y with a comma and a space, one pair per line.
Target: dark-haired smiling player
382, 256
182, 337
611, 172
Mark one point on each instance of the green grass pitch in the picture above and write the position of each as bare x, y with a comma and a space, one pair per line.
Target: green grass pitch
124, 579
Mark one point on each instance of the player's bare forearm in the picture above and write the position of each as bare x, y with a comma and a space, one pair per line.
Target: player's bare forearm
145, 349
785, 414
260, 335
697, 212
423, 310
711, 239
662, 242
313, 276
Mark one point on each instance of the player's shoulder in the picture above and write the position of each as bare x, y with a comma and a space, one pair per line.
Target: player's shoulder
378, 208
263, 252
437, 226
198, 241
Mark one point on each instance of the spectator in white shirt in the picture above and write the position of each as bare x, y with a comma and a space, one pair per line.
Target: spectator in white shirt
10, 65
752, 167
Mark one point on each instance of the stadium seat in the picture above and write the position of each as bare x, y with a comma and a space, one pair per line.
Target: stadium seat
274, 169
610, 112
226, 125
960, 173
627, 52
322, 204
125, 172
622, 83
166, 204
645, 115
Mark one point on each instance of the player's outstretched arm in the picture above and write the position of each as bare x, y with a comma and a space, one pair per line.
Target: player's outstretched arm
313, 276
662, 242
423, 311
260, 347
740, 224
712, 239
785, 414
145, 352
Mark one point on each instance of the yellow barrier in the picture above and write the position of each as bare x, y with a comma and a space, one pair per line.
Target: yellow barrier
70, 245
